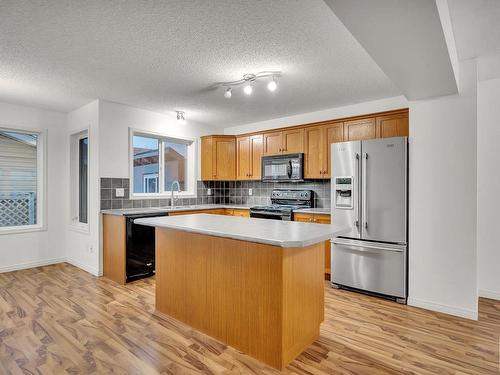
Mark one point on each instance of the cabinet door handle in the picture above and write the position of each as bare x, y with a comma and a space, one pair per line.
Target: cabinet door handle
320, 172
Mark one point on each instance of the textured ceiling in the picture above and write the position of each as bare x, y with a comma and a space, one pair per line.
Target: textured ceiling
165, 55
476, 26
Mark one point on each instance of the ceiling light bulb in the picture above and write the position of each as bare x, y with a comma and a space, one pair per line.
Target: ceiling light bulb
248, 89
228, 93
272, 86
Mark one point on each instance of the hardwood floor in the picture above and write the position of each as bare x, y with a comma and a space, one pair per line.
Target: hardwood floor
61, 320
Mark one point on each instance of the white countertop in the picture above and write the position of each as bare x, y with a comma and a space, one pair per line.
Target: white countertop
152, 210
271, 232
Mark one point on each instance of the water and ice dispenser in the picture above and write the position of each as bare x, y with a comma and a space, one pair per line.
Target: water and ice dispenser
344, 192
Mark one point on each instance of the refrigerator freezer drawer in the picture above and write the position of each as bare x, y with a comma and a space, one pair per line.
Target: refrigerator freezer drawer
372, 267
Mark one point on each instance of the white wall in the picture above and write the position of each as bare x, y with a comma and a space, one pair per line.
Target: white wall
83, 246
488, 187
114, 123
24, 250
328, 114
442, 230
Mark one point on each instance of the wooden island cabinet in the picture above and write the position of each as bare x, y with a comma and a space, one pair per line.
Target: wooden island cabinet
238, 157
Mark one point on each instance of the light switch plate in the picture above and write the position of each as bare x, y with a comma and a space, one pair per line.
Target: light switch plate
250, 192
209, 191
120, 192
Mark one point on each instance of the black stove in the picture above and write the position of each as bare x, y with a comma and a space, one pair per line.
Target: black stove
283, 203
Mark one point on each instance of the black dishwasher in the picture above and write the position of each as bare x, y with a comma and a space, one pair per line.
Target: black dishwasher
140, 248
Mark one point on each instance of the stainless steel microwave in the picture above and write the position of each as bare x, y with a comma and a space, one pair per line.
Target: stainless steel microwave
283, 167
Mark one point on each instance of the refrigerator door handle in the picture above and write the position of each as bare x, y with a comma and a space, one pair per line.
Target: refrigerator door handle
365, 246
363, 182
356, 175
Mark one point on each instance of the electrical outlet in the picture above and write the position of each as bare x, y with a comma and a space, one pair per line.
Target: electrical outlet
90, 249
120, 192
250, 191
209, 191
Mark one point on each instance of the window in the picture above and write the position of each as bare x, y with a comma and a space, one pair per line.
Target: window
21, 179
79, 178
83, 159
158, 161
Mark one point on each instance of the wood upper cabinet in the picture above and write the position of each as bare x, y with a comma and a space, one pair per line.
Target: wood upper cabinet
362, 129
395, 125
248, 157
256, 150
333, 133
230, 157
286, 141
313, 156
243, 156
317, 148
293, 141
218, 158
273, 143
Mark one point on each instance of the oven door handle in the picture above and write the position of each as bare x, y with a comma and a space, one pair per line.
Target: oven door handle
289, 169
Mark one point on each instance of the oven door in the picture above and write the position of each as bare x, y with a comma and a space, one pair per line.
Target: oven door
282, 168
269, 215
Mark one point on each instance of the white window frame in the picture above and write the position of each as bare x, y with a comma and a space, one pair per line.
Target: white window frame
41, 183
74, 216
191, 190
150, 176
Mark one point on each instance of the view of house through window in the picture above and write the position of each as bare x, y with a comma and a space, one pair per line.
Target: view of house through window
158, 159
175, 156
18, 178
146, 164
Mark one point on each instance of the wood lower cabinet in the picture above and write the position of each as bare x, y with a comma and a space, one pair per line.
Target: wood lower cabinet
218, 158
396, 125
113, 248
317, 148
284, 142
215, 211
249, 151
318, 219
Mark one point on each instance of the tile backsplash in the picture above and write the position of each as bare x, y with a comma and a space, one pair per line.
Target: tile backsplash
222, 192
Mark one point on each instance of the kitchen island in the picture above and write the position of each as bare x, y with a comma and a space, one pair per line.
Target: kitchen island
254, 284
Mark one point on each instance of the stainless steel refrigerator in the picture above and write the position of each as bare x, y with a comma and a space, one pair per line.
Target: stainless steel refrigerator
369, 194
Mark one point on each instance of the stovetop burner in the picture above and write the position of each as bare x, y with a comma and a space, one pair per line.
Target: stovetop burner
283, 202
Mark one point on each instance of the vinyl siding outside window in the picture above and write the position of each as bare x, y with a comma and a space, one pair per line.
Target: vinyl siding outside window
20, 172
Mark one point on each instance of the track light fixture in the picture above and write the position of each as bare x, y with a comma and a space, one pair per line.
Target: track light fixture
248, 82
181, 117
248, 89
272, 85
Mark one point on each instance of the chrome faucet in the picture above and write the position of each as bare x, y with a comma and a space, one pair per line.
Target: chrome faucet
175, 182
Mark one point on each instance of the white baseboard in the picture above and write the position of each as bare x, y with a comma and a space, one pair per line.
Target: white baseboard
38, 263
489, 294
446, 309
85, 267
